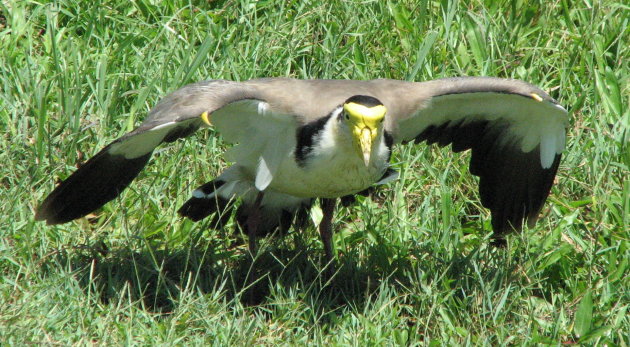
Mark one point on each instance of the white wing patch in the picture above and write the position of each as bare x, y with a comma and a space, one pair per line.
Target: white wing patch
264, 138
142, 143
275, 151
531, 122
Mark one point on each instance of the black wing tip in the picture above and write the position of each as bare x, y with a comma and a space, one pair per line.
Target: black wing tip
51, 209
513, 184
527, 209
44, 213
95, 183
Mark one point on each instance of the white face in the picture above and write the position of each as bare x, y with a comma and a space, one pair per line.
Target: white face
343, 120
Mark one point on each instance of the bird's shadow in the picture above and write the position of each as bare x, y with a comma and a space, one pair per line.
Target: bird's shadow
157, 278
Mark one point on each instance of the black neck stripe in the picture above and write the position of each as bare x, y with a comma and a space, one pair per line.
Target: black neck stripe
306, 136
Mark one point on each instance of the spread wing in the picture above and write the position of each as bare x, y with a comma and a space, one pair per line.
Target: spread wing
515, 131
110, 171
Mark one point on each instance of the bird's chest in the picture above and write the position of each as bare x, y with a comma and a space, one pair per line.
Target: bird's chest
330, 173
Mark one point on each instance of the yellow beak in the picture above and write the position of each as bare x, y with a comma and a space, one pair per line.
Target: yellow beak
365, 123
364, 136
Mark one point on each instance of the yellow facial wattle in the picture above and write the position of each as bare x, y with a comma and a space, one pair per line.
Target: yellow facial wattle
365, 123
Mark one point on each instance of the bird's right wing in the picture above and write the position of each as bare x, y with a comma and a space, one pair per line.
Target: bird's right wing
110, 171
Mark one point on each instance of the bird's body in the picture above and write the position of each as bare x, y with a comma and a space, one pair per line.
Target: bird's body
326, 167
330, 172
296, 140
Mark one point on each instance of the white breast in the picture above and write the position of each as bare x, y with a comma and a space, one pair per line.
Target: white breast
333, 169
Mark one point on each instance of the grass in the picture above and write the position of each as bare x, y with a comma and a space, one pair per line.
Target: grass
417, 267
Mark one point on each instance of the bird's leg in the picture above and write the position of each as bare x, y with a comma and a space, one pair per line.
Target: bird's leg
253, 220
252, 223
325, 230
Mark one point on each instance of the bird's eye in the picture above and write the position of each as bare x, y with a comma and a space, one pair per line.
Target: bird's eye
347, 116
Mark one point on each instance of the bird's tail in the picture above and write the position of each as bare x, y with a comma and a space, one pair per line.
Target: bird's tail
205, 202
217, 199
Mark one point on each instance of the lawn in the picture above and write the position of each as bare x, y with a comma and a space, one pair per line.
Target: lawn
415, 262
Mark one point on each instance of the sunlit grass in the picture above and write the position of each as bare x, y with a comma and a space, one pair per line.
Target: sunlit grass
416, 265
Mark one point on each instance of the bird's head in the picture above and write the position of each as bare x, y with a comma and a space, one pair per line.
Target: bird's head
364, 117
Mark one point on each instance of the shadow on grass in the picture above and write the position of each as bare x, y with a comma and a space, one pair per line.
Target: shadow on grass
157, 278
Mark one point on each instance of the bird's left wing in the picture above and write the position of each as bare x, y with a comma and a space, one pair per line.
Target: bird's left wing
516, 133
110, 171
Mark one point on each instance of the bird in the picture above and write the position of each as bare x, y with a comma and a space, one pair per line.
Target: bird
295, 141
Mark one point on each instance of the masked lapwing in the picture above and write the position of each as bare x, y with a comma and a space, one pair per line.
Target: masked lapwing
297, 140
